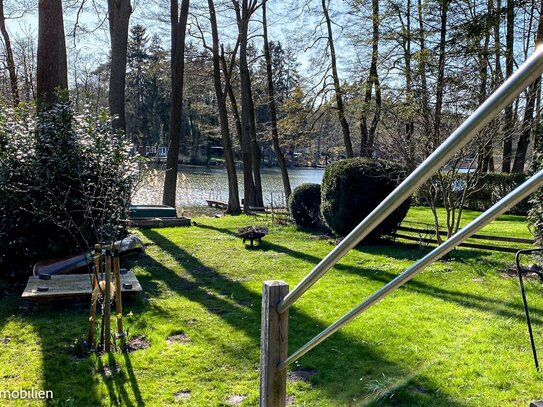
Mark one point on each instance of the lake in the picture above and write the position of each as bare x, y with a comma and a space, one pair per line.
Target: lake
195, 184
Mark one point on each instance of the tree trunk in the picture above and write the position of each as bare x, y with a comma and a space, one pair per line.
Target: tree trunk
9, 57
271, 106
243, 17
119, 15
178, 25
337, 86
440, 74
233, 102
255, 151
486, 141
52, 68
424, 97
233, 192
368, 134
528, 120
509, 115
410, 124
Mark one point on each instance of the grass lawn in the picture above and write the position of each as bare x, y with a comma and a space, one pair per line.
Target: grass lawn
453, 336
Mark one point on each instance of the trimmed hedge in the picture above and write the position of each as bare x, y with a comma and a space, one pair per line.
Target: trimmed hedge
304, 204
352, 188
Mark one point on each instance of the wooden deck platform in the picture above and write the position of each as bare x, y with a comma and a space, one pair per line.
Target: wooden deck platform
71, 286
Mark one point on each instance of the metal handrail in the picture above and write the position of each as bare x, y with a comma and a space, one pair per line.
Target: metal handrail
496, 210
528, 72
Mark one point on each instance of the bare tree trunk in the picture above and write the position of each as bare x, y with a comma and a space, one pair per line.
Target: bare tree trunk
273, 110
255, 151
368, 135
119, 16
509, 115
233, 192
440, 74
337, 86
9, 57
528, 120
233, 102
243, 17
410, 124
52, 68
178, 25
424, 97
486, 141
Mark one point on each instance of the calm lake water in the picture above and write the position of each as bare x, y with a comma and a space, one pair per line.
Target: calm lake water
195, 184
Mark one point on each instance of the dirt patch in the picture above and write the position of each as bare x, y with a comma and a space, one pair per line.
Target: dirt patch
302, 375
290, 400
109, 371
136, 343
236, 399
177, 337
182, 395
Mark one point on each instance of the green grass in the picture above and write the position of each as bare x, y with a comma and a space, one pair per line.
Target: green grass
453, 336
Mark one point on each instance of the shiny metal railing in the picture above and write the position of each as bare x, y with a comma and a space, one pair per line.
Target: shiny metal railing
503, 96
276, 301
473, 227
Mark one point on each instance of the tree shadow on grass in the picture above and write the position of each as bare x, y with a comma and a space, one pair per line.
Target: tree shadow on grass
67, 370
403, 251
339, 375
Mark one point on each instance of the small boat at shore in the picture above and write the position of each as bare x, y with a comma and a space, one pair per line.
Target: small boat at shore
79, 262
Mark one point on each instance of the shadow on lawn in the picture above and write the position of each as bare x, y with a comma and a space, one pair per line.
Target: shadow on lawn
339, 375
402, 252
66, 370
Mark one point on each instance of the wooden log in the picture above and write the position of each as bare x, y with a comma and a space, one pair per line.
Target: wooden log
273, 345
118, 296
107, 301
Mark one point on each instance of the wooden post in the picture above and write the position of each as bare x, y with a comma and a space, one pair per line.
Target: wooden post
97, 262
107, 302
118, 298
273, 346
95, 294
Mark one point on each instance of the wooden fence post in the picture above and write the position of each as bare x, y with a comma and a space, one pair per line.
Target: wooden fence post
107, 302
118, 293
94, 296
273, 345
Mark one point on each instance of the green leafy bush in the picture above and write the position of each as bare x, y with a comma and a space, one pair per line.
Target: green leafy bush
488, 190
66, 183
492, 187
535, 214
304, 204
352, 188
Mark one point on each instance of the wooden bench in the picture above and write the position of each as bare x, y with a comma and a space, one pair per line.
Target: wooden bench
217, 204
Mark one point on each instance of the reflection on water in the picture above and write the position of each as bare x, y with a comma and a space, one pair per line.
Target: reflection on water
196, 184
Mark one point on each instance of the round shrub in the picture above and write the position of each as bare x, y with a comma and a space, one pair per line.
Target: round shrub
352, 188
304, 204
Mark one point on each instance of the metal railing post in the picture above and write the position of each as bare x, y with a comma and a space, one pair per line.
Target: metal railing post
273, 346
529, 71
